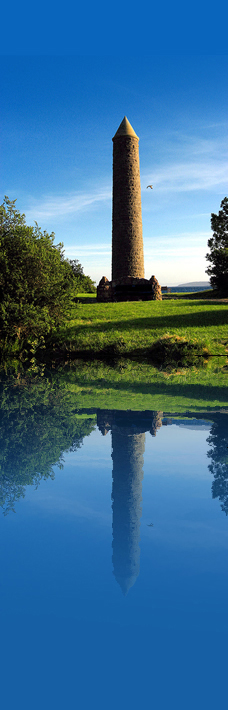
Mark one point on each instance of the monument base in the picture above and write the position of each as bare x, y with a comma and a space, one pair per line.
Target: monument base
129, 288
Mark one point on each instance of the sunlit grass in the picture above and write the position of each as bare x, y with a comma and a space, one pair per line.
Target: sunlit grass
137, 325
118, 337
103, 356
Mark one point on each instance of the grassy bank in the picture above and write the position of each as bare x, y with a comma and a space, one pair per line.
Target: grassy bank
134, 327
102, 355
209, 294
115, 340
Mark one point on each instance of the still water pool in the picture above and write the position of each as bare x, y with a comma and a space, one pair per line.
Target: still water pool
114, 562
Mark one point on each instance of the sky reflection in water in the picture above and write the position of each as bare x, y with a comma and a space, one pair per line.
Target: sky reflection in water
114, 574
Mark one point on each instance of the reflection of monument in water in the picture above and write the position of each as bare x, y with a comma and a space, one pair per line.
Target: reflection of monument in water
127, 456
128, 445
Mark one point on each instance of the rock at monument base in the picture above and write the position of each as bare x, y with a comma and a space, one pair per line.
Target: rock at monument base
129, 288
156, 288
104, 290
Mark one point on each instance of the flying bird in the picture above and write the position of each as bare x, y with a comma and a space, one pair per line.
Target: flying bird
150, 186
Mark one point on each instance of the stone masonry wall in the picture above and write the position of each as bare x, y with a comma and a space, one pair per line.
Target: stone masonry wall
129, 288
127, 239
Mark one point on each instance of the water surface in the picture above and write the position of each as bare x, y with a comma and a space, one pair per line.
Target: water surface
115, 562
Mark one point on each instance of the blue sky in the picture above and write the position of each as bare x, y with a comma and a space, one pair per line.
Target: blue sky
59, 114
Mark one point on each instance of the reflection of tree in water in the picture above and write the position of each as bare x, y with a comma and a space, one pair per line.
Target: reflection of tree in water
37, 424
156, 422
218, 453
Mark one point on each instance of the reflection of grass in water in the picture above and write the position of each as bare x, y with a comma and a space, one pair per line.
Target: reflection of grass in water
173, 351
137, 325
139, 386
126, 384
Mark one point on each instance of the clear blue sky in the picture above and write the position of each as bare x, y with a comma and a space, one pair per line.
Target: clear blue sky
59, 114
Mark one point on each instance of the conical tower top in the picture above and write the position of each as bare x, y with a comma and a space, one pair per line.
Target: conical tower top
125, 129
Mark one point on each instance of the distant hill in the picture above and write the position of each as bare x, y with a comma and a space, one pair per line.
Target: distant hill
195, 283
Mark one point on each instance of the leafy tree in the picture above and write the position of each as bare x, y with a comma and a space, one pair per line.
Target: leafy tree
82, 282
218, 243
35, 280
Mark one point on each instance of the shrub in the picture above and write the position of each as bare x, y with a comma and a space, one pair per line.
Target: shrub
35, 280
82, 283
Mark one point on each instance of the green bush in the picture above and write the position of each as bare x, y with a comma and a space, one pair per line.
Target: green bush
36, 282
82, 283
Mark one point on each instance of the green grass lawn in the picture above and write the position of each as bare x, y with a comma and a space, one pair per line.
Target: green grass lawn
100, 357
192, 295
130, 380
136, 325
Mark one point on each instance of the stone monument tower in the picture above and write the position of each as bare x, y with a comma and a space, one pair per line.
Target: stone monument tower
128, 282
127, 238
